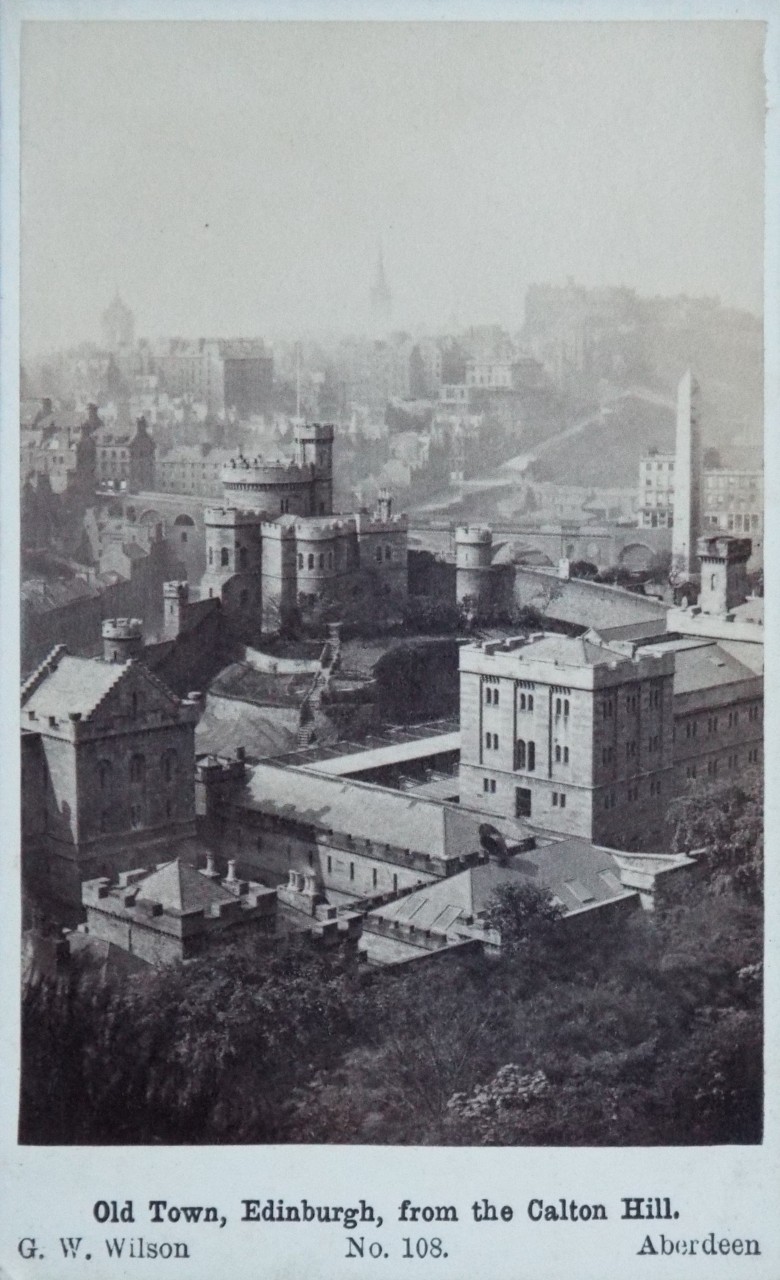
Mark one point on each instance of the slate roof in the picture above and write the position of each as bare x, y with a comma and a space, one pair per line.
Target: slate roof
577, 873
76, 685
576, 651
364, 811
180, 888
703, 664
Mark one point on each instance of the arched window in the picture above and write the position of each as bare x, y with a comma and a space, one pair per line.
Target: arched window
211, 555
300, 560
557, 755
530, 702
330, 559
311, 562
224, 557
104, 773
322, 560
137, 768
522, 702
566, 706
557, 706
520, 754
712, 582
531, 756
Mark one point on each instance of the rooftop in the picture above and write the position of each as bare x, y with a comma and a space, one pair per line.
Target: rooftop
180, 888
364, 812
75, 686
577, 873
392, 745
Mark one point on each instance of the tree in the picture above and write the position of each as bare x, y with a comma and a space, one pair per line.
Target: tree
726, 822
526, 919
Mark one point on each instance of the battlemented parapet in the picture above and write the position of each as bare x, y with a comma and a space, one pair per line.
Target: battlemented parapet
723, 562
123, 639
279, 589
136, 910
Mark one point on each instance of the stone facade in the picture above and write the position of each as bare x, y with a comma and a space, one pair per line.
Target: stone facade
574, 736
283, 545
108, 754
173, 912
124, 461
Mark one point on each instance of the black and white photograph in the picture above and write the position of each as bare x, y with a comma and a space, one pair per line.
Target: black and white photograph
389, 449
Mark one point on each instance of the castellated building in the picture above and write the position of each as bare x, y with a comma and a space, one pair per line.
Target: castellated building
573, 734
108, 764
276, 542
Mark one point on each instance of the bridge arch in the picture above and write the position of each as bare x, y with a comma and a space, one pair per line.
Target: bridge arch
636, 556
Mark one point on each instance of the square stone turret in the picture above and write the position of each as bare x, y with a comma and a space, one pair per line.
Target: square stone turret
723, 573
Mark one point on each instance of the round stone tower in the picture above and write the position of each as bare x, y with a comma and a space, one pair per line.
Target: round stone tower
123, 639
473, 572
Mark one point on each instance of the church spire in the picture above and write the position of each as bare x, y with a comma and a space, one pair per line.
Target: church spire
381, 298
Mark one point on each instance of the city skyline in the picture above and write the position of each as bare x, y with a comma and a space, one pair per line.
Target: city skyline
257, 207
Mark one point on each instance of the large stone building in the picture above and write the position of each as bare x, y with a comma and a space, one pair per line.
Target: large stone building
125, 460
594, 735
230, 375
276, 541
569, 733
175, 912
107, 765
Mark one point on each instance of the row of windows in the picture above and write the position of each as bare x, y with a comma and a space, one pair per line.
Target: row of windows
311, 560
525, 755
558, 755
168, 767
491, 741
526, 702
489, 785
732, 762
562, 706
722, 481
735, 522
559, 799
491, 696
374, 870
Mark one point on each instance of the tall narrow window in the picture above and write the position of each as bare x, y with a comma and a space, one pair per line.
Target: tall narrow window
224, 557
531, 756
520, 755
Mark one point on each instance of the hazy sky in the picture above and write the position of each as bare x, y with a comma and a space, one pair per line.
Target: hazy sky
236, 177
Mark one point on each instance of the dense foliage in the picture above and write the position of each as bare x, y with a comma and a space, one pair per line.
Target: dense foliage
647, 1032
